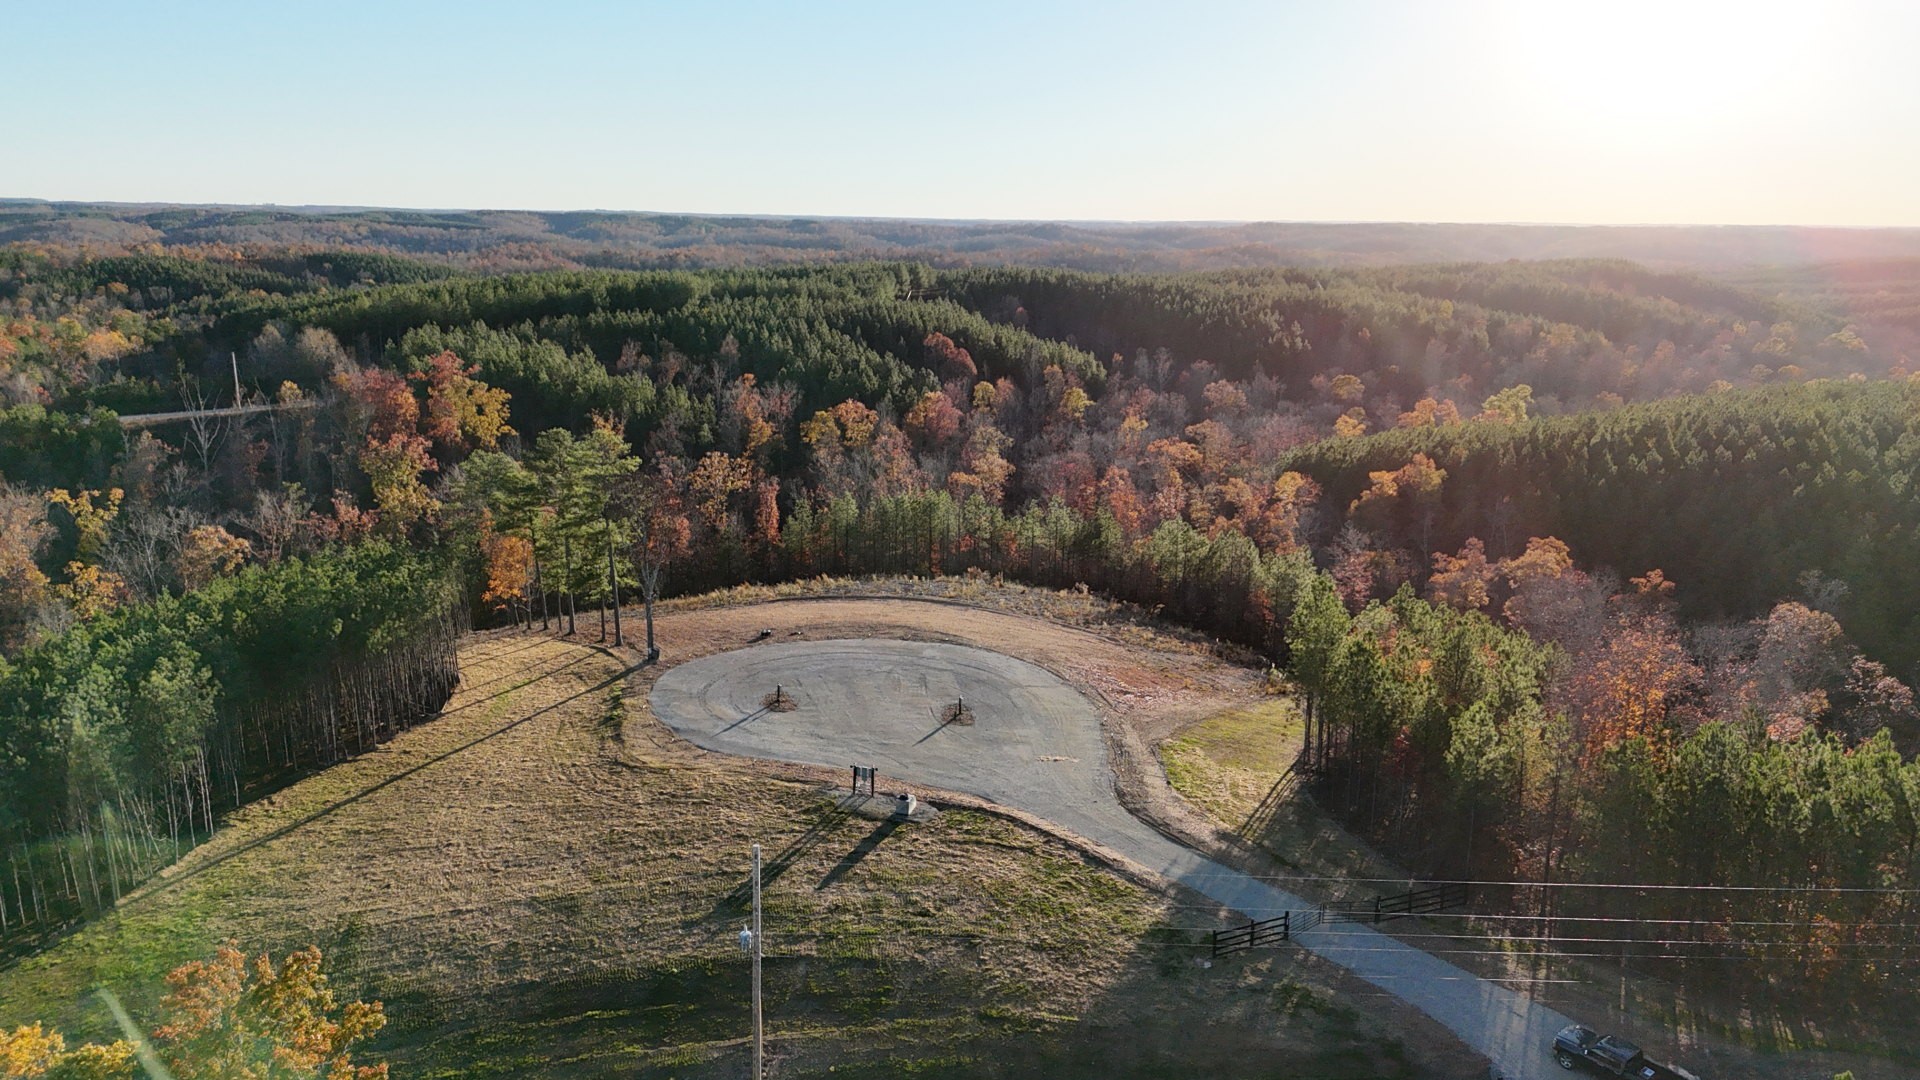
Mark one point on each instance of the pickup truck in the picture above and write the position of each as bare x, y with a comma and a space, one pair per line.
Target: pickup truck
1610, 1055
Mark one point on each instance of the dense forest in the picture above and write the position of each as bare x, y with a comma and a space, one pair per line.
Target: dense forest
1538, 541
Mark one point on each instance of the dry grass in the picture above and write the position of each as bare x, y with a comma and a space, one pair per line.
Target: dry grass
1234, 766
542, 882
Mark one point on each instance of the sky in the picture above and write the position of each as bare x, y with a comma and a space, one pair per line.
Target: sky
1621, 111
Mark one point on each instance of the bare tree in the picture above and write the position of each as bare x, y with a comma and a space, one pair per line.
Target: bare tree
206, 429
145, 545
275, 520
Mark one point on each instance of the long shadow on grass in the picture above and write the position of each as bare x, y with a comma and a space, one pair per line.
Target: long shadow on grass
335, 807
1276, 798
771, 869
581, 659
519, 642
860, 851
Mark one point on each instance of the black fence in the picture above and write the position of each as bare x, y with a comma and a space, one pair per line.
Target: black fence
1258, 933
1265, 933
1400, 905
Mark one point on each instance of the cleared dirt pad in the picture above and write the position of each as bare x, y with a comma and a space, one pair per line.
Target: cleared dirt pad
1145, 684
1034, 743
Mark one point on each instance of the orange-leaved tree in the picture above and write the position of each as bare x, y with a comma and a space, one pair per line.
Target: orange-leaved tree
509, 562
1463, 580
462, 412
233, 1020
662, 533
208, 552
224, 1019
24, 588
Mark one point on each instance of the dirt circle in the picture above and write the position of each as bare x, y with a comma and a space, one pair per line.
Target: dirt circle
1035, 741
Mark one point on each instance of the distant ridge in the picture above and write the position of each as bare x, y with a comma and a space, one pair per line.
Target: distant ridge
530, 239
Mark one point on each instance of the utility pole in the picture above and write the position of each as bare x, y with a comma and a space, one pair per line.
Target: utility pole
759, 1046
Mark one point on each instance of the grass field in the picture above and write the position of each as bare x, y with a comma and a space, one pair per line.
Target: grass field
540, 883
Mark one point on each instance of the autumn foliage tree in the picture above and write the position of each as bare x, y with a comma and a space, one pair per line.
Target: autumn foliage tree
226, 1018
34, 1051
462, 413
1631, 685
394, 466
509, 570
208, 552
90, 589
231, 1019
948, 359
24, 535
662, 534
1462, 580
402, 443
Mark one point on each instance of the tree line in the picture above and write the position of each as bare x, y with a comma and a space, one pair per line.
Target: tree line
1734, 495
124, 737
1465, 747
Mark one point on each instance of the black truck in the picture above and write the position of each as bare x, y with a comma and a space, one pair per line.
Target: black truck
1609, 1055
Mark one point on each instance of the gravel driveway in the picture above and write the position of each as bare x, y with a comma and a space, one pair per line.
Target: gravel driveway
1035, 745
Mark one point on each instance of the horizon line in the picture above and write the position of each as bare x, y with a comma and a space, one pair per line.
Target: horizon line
28, 200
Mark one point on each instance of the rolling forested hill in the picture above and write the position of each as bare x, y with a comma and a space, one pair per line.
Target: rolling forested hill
1510, 523
1244, 367
500, 239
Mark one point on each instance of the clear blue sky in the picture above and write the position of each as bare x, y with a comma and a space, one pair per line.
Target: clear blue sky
1480, 110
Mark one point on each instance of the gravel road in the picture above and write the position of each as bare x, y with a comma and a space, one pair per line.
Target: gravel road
1035, 745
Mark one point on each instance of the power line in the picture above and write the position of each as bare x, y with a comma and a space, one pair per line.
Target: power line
1235, 875
1335, 952
1544, 939
1665, 922
1510, 917
1365, 932
963, 935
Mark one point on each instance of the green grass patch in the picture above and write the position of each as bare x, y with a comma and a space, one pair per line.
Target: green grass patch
1227, 763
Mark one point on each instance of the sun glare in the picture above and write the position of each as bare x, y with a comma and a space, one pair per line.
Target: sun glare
1632, 66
